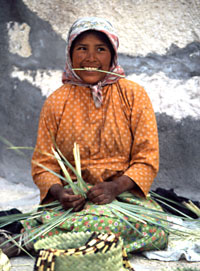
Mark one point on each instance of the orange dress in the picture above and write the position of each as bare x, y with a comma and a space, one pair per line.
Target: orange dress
118, 138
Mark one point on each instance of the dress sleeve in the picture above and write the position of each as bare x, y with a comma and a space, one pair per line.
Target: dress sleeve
46, 131
144, 156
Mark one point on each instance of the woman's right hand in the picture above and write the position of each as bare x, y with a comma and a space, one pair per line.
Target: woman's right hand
67, 198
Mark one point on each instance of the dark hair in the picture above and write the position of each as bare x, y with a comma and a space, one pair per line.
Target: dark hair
101, 35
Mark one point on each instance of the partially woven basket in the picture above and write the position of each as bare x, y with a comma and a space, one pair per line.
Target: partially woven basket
67, 252
4, 262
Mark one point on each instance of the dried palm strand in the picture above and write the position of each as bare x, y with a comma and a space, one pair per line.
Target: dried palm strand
192, 207
81, 183
84, 69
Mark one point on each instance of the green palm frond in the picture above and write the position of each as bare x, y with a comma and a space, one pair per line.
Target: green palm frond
187, 205
66, 173
186, 269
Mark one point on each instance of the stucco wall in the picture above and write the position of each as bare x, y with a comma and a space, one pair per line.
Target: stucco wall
159, 48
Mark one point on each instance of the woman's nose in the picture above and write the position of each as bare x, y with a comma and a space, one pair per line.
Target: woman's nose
91, 55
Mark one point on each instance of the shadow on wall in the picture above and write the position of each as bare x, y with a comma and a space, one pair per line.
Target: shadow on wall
177, 63
21, 102
179, 155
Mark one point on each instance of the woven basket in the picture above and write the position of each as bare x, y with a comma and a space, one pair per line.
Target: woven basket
57, 246
4, 262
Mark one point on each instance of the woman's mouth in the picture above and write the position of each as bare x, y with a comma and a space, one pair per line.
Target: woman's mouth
90, 68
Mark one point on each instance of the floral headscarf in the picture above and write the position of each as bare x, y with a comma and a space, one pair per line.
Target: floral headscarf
69, 75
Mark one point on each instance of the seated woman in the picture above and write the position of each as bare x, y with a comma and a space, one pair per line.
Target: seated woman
113, 122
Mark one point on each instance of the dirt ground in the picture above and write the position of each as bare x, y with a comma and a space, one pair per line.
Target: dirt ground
139, 263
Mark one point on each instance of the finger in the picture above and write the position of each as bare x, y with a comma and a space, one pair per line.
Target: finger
94, 193
99, 199
73, 204
71, 198
79, 207
69, 191
97, 187
66, 206
105, 201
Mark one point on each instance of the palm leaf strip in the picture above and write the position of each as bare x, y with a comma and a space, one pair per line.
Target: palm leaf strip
108, 72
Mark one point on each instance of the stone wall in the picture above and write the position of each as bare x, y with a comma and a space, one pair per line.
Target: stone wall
159, 49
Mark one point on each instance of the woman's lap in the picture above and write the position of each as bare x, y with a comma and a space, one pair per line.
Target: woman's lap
101, 218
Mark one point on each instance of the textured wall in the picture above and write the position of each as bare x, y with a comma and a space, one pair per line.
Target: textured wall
159, 48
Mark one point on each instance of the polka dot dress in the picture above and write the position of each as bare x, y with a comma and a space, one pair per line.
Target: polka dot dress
120, 137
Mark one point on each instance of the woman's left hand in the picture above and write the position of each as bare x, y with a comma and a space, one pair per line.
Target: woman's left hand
106, 192
102, 193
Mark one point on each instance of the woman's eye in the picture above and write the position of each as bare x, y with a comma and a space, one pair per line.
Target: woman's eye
81, 48
100, 49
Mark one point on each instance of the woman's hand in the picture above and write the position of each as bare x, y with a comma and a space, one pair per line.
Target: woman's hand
106, 192
67, 198
102, 193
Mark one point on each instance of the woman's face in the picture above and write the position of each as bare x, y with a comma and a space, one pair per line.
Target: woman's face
91, 51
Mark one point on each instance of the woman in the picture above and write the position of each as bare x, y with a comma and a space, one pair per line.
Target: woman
112, 120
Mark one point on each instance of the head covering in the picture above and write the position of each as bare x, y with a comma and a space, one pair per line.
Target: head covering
80, 26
